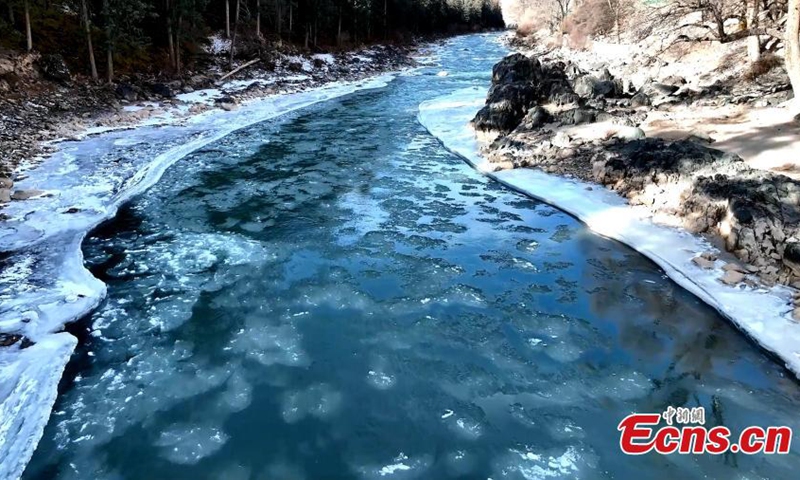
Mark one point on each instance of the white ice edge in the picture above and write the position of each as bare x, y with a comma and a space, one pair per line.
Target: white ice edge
763, 314
29, 377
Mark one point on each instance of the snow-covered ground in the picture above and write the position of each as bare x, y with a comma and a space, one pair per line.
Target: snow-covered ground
763, 314
44, 285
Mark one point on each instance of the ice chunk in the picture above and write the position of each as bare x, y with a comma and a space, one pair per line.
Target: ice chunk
188, 444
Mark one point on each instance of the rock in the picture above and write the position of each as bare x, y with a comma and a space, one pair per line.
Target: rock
662, 89
588, 86
162, 89
8, 339
505, 107
796, 314
561, 140
536, 118
699, 136
732, 277
126, 92
53, 67
629, 133
6, 182
515, 68
577, 116
702, 262
710, 256
791, 257
734, 267
25, 194
641, 99
674, 80
5, 195
226, 103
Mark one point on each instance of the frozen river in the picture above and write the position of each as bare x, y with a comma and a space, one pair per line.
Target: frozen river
330, 294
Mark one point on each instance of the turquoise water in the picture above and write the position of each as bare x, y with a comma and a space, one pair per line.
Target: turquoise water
331, 294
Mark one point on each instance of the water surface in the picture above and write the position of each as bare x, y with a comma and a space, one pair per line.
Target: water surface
333, 295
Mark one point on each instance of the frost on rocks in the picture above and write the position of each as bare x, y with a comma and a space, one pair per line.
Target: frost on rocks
763, 314
47, 285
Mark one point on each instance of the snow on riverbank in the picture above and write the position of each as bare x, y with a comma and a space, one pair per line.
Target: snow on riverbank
763, 314
43, 283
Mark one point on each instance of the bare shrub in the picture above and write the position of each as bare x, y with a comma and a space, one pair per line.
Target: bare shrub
590, 18
762, 66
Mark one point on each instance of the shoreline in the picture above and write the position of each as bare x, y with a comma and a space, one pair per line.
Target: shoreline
762, 313
43, 114
49, 233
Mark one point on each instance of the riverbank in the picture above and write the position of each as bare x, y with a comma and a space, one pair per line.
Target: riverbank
763, 313
46, 106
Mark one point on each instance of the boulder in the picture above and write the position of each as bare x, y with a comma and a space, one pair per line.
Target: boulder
505, 107
663, 89
226, 103
641, 99
536, 118
516, 68
628, 133
126, 91
732, 277
162, 90
588, 86
25, 194
703, 262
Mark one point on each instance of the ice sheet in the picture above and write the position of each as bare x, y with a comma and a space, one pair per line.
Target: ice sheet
763, 314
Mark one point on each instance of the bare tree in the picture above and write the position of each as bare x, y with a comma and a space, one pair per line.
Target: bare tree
792, 46
28, 35
87, 26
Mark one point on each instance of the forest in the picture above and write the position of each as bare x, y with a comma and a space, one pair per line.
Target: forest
103, 38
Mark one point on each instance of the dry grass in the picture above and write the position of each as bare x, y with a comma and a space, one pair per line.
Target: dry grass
762, 66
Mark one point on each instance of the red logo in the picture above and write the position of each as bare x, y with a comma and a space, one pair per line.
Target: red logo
640, 433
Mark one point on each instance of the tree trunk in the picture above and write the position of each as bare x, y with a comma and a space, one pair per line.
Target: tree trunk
178, 65
792, 47
170, 41
227, 19
279, 20
290, 19
109, 44
110, 64
28, 35
11, 14
258, 18
339, 31
385, 19
233, 39
754, 41
87, 27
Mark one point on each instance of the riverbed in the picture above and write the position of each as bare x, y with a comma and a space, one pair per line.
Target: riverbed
330, 293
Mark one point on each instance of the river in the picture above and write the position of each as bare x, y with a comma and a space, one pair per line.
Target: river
331, 294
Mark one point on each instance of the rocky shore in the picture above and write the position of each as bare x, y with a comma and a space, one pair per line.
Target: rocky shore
555, 116
42, 103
